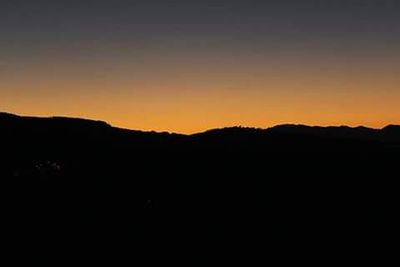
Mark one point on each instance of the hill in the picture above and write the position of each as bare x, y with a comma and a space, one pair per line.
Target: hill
76, 184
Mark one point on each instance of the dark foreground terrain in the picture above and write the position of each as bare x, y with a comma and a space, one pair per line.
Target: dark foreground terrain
79, 192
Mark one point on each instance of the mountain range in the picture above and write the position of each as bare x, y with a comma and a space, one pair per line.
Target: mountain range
82, 191
53, 125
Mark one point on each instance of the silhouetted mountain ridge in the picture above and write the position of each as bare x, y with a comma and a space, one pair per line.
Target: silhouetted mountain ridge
67, 121
76, 184
65, 125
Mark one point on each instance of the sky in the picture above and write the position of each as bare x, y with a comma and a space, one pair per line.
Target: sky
187, 66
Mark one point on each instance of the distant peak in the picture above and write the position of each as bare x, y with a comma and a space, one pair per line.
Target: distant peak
231, 130
6, 114
308, 127
392, 128
66, 120
79, 120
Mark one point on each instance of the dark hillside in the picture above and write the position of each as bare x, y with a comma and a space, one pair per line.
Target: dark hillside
83, 192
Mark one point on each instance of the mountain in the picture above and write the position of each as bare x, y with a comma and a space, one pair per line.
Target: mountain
92, 193
67, 127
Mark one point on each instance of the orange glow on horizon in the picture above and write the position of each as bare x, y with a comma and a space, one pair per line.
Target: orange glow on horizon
193, 96
188, 112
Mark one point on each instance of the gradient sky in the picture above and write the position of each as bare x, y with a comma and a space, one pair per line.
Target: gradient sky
187, 66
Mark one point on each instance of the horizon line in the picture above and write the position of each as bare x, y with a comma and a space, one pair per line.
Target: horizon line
197, 132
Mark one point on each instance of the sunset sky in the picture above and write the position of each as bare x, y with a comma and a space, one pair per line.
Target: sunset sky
187, 66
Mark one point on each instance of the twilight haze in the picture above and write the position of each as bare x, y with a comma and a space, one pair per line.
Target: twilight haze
187, 66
